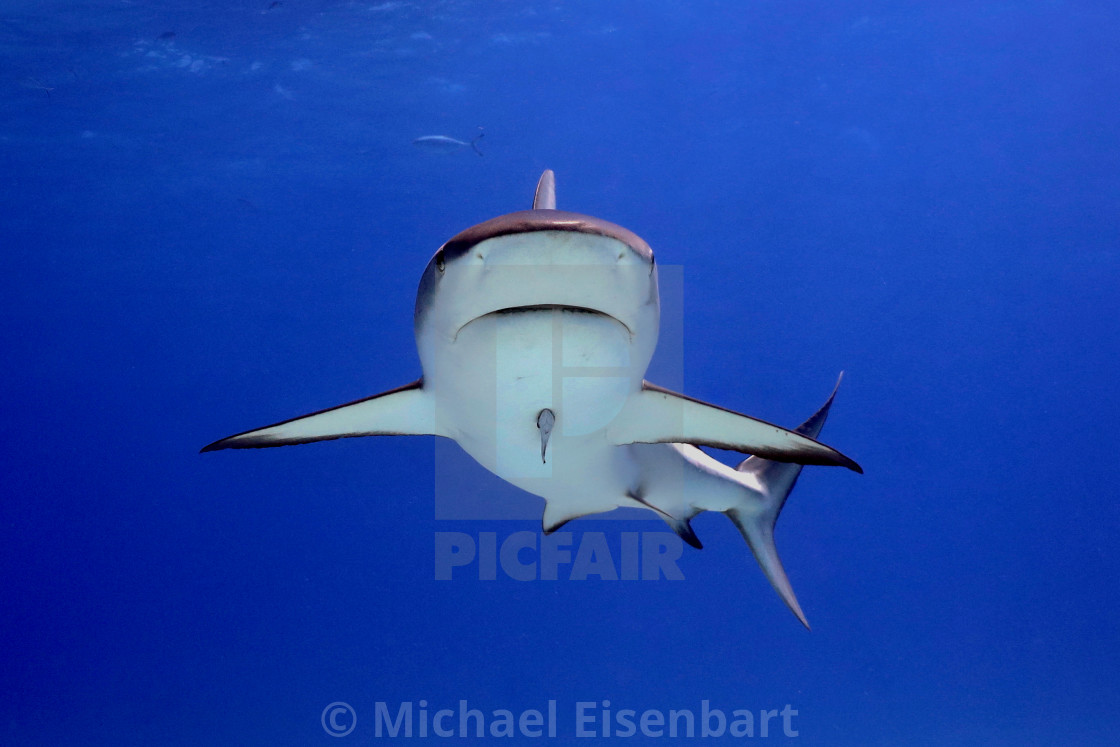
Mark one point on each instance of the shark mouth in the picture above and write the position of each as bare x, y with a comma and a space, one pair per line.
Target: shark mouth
547, 307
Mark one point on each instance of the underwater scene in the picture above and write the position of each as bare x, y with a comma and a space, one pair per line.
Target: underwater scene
570, 372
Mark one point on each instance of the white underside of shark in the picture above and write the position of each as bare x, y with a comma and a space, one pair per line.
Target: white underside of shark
535, 330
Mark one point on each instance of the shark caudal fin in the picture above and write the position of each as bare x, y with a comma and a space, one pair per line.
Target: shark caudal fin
757, 525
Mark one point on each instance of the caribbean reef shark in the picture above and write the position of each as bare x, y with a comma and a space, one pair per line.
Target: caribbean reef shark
535, 330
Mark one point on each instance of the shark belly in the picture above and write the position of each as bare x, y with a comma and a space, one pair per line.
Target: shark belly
503, 369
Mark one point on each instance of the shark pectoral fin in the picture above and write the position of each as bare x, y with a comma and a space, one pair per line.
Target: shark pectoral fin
406, 411
780, 477
656, 415
758, 531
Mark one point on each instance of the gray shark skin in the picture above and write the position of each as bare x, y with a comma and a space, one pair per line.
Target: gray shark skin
535, 330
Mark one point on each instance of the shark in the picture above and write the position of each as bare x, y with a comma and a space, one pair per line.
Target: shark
535, 330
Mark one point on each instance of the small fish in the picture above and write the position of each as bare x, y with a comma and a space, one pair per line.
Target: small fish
38, 85
444, 144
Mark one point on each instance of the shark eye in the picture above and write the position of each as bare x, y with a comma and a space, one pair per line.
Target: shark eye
439, 262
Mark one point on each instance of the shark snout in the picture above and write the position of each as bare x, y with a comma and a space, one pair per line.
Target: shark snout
557, 248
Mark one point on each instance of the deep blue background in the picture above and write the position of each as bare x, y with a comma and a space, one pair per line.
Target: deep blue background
212, 231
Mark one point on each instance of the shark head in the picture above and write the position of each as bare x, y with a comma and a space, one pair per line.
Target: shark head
540, 259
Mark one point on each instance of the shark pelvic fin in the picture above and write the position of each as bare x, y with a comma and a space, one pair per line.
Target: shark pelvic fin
545, 196
555, 517
684, 530
558, 512
656, 415
679, 525
405, 411
757, 526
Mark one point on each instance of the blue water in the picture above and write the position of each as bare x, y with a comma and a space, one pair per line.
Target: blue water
215, 218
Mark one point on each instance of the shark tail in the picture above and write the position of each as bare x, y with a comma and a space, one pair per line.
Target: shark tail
757, 523
474, 141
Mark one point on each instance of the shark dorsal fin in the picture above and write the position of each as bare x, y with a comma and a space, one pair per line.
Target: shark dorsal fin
545, 196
